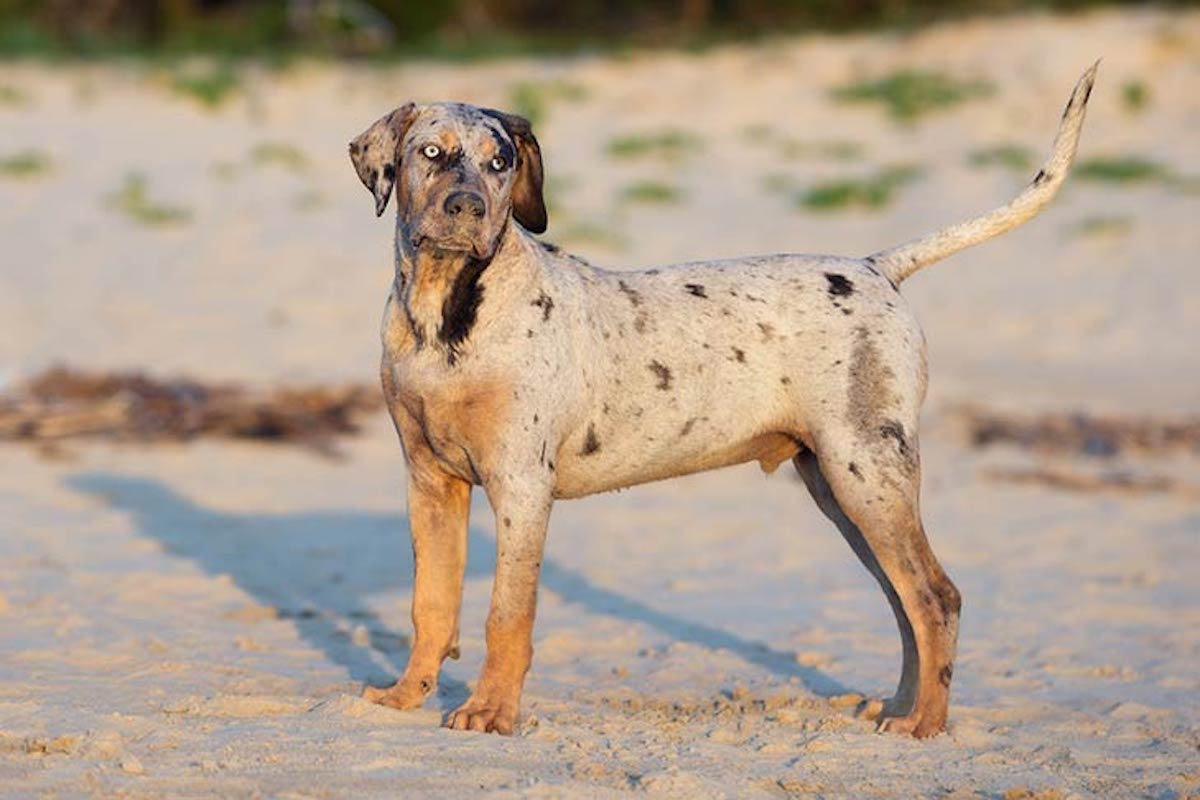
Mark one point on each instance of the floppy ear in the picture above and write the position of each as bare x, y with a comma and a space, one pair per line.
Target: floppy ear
375, 153
529, 207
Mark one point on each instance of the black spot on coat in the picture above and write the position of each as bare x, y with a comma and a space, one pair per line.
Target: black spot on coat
696, 289
546, 303
839, 285
635, 297
894, 430
590, 444
662, 372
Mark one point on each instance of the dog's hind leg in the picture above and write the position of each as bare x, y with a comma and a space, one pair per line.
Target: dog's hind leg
874, 503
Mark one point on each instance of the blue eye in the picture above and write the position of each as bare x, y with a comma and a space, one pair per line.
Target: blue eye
431, 151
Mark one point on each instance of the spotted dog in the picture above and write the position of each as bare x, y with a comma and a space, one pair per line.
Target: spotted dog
512, 365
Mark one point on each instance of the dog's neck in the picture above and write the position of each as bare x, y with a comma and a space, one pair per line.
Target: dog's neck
441, 293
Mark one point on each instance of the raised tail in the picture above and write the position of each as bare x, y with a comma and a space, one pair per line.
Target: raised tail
897, 263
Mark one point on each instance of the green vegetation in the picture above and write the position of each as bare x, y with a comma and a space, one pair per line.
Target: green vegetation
1103, 226
1135, 96
758, 132
532, 99
651, 191
1009, 156
132, 200
223, 170
908, 94
1122, 169
668, 144
871, 192
827, 149
279, 154
451, 29
310, 200
590, 233
25, 164
791, 148
12, 96
779, 183
209, 84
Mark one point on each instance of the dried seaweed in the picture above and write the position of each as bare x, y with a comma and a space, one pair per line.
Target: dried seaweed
1081, 433
1087, 482
62, 403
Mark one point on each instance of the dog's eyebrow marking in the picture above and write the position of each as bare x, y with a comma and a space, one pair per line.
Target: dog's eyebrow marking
546, 303
839, 285
590, 444
697, 289
635, 297
662, 372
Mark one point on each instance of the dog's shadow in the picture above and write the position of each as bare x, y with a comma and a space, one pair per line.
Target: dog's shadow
319, 569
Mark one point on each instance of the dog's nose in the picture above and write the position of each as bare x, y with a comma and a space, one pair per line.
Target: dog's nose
464, 203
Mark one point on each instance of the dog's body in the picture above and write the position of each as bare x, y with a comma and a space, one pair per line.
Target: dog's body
511, 365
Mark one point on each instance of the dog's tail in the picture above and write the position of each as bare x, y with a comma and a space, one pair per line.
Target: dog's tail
897, 263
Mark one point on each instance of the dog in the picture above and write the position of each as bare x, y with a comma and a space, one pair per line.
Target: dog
512, 365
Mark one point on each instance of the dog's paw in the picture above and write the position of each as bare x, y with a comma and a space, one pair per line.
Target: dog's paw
404, 695
484, 714
915, 724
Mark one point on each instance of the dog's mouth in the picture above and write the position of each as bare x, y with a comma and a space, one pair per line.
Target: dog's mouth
441, 247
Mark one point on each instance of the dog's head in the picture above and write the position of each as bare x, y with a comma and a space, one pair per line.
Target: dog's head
459, 173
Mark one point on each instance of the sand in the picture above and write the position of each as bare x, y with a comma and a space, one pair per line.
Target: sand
197, 620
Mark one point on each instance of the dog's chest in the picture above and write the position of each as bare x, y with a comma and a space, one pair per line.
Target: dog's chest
457, 416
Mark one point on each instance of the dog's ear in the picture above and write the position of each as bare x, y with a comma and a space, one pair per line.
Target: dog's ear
528, 204
375, 153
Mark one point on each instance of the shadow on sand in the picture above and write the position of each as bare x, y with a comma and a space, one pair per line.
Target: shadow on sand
320, 568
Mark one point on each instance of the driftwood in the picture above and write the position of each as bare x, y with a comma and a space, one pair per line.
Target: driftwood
62, 404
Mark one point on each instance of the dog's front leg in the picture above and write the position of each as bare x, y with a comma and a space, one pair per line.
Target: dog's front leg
522, 513
438, 505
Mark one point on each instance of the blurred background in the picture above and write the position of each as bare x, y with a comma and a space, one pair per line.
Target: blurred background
180, 226
176, 195
460, 27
